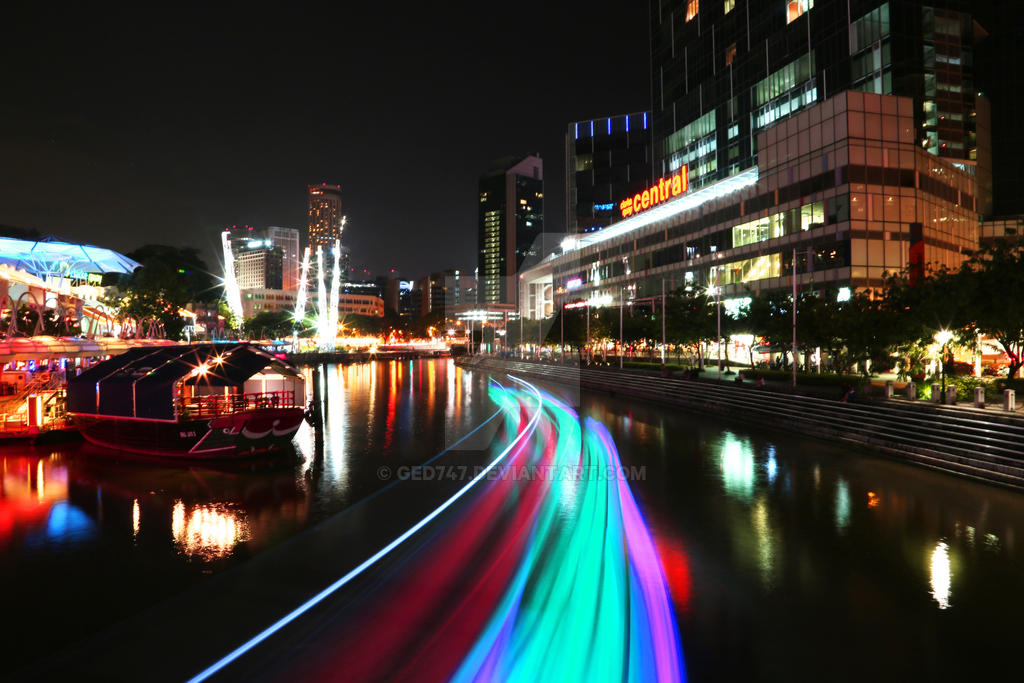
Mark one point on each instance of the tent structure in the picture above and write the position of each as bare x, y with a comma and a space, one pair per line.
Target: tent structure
140, 383
51, 257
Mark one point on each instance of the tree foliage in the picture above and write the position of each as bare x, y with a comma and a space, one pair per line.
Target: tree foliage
168, 278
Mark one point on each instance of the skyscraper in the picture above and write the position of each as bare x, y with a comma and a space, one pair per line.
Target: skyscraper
259, 267
325, 217
725, 70
510, 224
286, 239
606, 159
809, 143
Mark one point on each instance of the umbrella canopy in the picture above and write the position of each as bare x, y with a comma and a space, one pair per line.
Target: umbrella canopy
53, 257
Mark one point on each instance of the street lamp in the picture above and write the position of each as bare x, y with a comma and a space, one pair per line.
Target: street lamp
943, 337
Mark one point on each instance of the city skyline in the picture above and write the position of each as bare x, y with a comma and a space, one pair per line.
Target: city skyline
190, 136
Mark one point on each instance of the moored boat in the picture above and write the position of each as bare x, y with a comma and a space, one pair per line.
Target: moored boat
218, 400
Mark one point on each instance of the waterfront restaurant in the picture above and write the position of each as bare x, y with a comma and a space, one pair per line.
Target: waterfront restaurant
842, 194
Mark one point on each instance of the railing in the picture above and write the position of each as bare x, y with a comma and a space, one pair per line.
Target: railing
42, 382
216, 405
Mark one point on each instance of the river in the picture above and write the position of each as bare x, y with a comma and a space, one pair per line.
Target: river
783, 557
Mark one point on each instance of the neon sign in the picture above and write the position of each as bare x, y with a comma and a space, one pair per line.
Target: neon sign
665, 189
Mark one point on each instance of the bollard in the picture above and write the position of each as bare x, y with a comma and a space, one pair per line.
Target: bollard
889, 388
979, 397
951, 396
911, 391
1009, 400
936, 393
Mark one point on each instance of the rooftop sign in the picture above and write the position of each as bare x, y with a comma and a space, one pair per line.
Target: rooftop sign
667, 188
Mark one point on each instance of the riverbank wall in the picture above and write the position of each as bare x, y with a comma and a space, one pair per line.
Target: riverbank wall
979, 444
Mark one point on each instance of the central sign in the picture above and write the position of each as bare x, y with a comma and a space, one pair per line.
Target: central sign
667, 188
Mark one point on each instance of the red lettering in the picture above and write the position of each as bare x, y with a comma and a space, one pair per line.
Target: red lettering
645, 199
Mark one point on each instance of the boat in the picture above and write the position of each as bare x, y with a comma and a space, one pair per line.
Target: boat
196, 401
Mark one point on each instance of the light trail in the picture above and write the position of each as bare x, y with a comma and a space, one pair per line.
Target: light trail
231, 291
373, 559
589, 599
332, 307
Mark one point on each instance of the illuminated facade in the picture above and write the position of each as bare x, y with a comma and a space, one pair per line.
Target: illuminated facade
325, 217
841, 195
360, 304
259, 266
261, 300
510, 225
606, 159
247, 237
723, 73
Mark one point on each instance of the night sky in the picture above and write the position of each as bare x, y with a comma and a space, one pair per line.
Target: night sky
126, 129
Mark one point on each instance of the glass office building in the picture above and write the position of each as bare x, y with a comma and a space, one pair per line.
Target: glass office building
606, 159
722, 72
842, 193
510, 224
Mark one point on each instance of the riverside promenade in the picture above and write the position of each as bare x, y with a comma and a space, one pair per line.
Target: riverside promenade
985, 445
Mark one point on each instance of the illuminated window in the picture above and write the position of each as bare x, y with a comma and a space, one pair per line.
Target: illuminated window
728, 6
730, 54
795, 8
692, 7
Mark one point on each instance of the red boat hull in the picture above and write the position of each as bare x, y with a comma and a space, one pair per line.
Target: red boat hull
229, 436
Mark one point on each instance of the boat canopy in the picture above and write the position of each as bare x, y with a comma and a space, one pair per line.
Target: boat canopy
140, 383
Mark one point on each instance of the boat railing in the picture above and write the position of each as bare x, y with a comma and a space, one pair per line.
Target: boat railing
215, 405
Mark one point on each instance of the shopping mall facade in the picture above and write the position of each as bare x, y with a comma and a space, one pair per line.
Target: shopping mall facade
841, 195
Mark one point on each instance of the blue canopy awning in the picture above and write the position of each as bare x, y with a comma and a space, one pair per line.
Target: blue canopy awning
53, 257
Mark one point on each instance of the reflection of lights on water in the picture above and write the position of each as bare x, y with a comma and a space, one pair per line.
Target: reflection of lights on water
942, 575
40, 481
765, 546
208, 531
737, 462
135, 517
873, 499
992, 542
817, 476
842, 504
771, 467
336, 424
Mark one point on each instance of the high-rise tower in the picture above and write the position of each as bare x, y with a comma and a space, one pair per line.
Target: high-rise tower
325, 217
723, 71
510, 224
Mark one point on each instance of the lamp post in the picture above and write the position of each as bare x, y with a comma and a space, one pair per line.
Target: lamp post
663, 323
622, 304
718, 313
943, 337
561, 324
587, 345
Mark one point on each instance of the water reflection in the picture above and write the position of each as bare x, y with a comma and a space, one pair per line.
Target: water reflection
941, 574
842, 504
208, 531
112, 516
765, 540
736, 459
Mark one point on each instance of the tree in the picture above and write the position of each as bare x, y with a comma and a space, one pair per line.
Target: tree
692, 319
168, 278
769, 315
270, 324
990, 287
